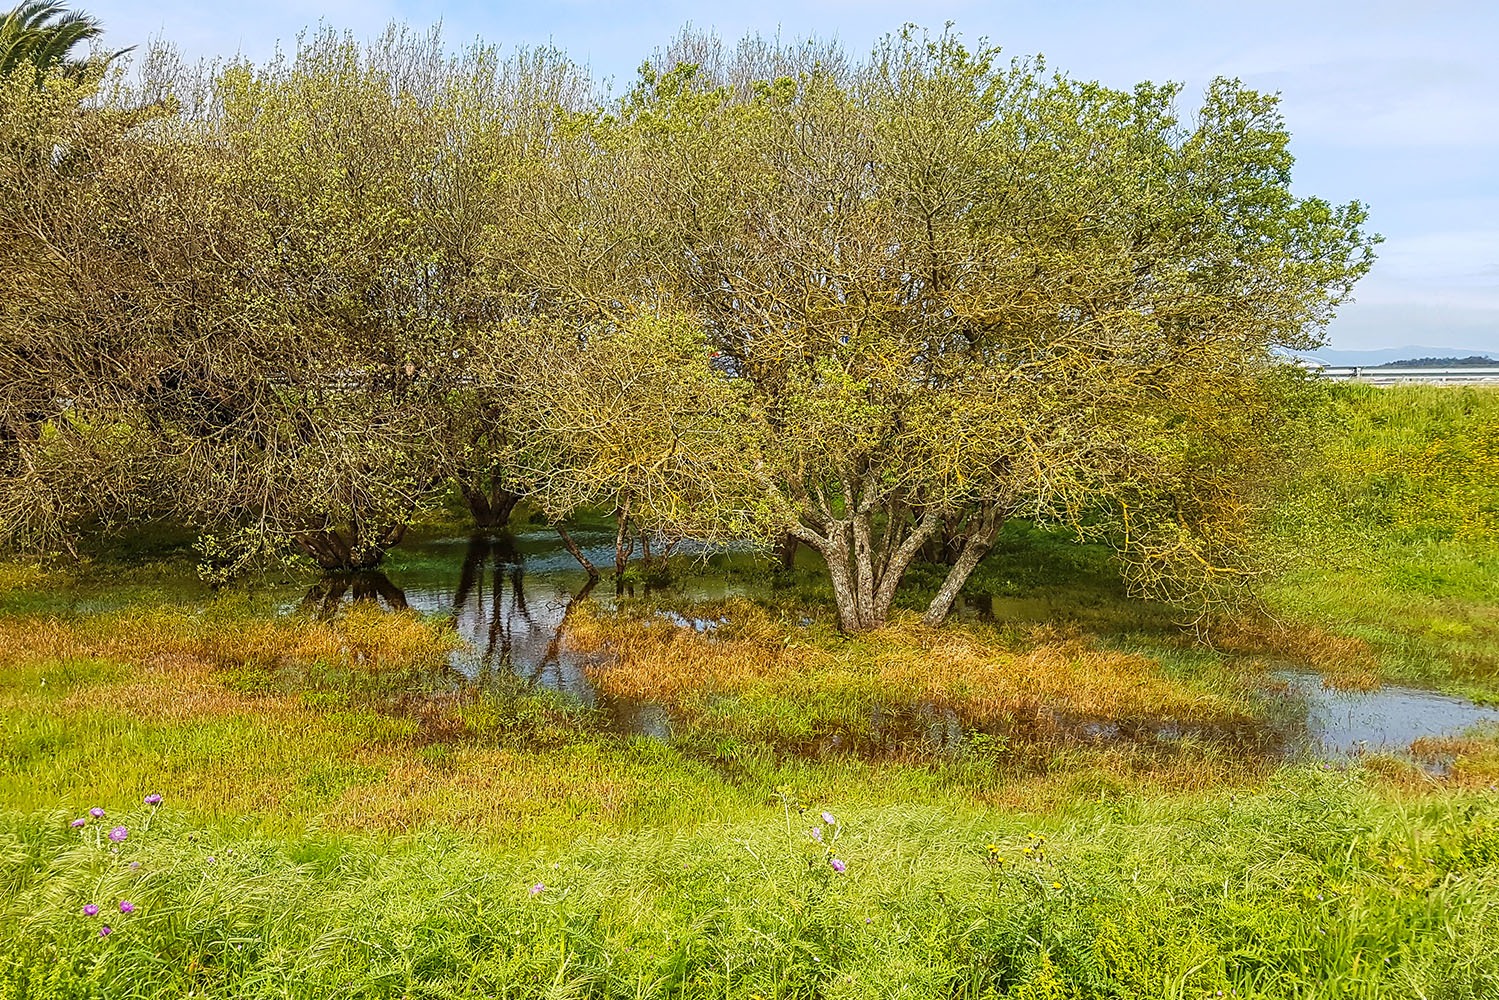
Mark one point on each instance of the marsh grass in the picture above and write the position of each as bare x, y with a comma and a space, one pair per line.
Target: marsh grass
1392, 539
753, 674
1057, 796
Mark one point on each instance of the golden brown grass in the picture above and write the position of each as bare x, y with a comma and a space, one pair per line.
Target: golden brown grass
1057, 679
1345, 662
363, 637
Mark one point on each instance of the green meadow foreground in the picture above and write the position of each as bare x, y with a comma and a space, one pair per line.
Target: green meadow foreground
1070, 798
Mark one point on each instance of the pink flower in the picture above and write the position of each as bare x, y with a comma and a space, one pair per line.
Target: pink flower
838, 866
537, 889
96, 812
153, 800
91, 910
105, 931
126, 906
827, 818
80, 821
118, 834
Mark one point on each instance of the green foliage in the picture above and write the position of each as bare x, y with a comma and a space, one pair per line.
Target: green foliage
40, 36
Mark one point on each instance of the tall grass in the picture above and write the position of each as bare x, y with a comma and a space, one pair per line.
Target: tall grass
1314, 887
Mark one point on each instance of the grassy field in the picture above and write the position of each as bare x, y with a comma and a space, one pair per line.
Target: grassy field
1059, 796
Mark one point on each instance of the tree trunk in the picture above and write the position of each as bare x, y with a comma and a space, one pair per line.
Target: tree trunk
577, 553
866, 567
624, 541
982, 528
492, 507
786, 552
349, 549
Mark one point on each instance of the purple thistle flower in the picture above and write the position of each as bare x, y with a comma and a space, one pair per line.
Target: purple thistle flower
816, 834
90, 910
838, 865
153, 799
827, 818
105, 931
135, 864
118, 834
537, 889
96, 812
126, 906
80, 821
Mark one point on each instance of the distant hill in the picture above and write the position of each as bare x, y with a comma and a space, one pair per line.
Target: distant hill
1472, 361
1390, 355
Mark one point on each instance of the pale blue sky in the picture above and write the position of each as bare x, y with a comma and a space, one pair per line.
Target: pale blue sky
1392, 103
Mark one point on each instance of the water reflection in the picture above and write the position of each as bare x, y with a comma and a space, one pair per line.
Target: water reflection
1343, 724
324, 597
511, 620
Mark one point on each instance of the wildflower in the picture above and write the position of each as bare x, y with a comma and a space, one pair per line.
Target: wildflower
80, 821
118, 834
537, 889
105, 931
210, 859
1056, 885
838, 865
135, 864
153, 799
816, 834
96, 812
827, 818
126, 906
90, 910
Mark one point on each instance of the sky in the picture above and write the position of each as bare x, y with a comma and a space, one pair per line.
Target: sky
1389, 103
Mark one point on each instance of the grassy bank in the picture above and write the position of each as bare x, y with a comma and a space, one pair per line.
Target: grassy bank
1393, 538
1313, 886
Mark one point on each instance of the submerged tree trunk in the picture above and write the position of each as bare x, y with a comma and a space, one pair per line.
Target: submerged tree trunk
491, 507
325, 596
349, 549
624, 541
577, 553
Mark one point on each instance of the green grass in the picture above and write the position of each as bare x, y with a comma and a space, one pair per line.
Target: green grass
1315, 886
1394, 537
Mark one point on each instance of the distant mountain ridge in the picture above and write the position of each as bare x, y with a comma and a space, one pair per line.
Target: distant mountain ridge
1473, 361
1426, 357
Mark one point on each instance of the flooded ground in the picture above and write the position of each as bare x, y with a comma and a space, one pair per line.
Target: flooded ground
509, 598
1345, 724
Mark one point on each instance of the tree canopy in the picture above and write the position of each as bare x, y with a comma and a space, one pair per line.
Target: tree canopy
878, 306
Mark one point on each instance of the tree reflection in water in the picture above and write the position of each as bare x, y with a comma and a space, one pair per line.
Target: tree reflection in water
505, 630
324, 597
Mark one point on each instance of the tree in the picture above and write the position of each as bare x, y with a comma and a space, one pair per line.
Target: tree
44, 34
275, 290
957, 291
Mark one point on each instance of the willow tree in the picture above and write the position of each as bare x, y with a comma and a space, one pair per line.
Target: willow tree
957, 291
